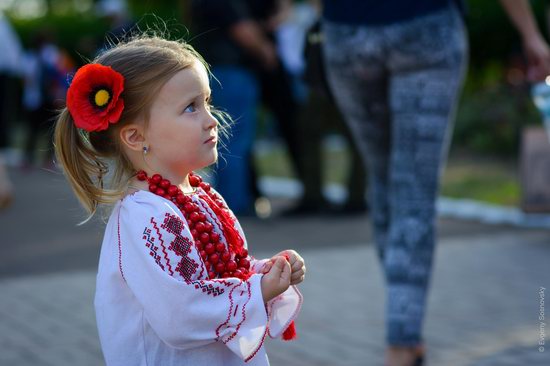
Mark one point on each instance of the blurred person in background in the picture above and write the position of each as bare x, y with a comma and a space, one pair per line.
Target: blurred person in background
115, 13
276, 85
10, 57
300, 44
6, 187
395, 69
237, 39
45, 70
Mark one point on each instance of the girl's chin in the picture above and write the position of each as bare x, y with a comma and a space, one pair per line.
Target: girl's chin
207, 162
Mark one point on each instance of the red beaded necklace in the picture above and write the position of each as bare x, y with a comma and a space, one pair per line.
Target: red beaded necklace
221, 262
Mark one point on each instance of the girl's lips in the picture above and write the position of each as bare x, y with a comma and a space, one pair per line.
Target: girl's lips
212, 139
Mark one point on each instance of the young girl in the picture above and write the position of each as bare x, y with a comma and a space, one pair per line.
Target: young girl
175, 283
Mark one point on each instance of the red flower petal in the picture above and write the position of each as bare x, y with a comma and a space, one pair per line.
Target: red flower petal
87, 80
114, 116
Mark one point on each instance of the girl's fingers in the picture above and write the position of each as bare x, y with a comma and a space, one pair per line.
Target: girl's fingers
297, 265
299, 274
278, 264
297, 281
286, 272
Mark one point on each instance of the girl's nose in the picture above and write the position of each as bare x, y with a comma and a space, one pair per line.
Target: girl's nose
211, 121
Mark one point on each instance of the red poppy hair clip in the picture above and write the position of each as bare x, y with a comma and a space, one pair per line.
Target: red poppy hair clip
93, 99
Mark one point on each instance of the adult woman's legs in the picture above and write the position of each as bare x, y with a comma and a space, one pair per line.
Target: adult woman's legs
426, 60
415, 67
354, 58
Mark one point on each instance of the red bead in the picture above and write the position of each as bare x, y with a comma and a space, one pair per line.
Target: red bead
203, 254
214, 258
199, 226
220, 267
208, 227
238, 273
212, 274
199, 244
180, 199
209, 249
220, 247
195, 234
194, 180
205, 238
164, 184
167, 196
215, 237
194, 216
244, 253
245, 263
226, 275
226, 256
160, 192
203, 216
231, 265
173, 190
205, 186
189, 207
153, 188
141, 175
156, 178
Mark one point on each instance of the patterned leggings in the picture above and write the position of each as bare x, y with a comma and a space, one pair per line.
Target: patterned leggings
397, 86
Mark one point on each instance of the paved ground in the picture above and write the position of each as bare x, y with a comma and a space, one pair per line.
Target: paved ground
484, 304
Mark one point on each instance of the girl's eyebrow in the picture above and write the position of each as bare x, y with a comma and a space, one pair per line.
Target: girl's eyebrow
195, 96
186, 100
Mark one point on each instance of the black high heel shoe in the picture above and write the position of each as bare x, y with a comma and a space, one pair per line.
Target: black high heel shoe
419, 361
420, 353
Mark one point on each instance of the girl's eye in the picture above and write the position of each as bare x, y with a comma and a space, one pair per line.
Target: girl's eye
190, 108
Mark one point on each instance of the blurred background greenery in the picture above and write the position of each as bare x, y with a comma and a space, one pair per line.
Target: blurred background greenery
494, 107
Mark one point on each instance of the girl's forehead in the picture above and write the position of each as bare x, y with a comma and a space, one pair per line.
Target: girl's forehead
191, 80
202, 72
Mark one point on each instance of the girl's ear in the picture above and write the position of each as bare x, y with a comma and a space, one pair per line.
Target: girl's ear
132, 136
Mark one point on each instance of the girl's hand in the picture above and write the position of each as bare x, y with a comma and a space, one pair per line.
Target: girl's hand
297, 266
277, 279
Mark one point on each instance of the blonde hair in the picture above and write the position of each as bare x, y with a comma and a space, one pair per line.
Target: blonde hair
146, 63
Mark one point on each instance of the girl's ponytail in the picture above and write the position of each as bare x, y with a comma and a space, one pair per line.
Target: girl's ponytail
82, 164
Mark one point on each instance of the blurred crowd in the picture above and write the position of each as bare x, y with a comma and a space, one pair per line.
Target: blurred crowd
264, 55
267, 70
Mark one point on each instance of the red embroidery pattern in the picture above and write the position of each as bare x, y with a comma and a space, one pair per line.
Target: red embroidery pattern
150, 243
233, 312
181, 246
119, 246
208, 288
155, 226
257, 349
291, 318
222, 281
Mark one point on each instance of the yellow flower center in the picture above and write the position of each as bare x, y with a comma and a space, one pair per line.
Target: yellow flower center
102, 97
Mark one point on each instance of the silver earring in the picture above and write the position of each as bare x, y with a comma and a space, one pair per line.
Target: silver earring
145, 150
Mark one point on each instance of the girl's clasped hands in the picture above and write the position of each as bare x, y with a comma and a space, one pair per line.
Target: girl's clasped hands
281, 271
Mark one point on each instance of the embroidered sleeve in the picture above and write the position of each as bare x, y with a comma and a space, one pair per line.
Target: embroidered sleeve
163, 269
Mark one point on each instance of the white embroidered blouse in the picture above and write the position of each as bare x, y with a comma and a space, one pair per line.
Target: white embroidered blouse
155, 304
